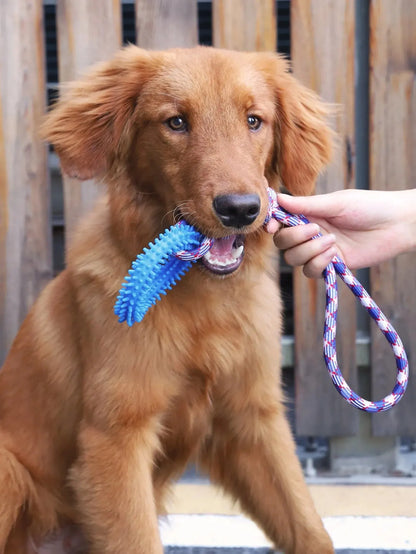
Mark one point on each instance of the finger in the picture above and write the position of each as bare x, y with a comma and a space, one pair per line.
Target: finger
289, 237
320, 205
315, 267
302, 254
273, 226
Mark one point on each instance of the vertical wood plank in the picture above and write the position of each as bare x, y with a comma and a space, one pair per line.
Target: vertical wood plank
244, 24
4, 223
393, 167
164, 24
88, 32
322, 35
25, 240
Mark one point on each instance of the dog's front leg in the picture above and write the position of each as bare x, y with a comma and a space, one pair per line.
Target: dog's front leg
251, 453
112, 479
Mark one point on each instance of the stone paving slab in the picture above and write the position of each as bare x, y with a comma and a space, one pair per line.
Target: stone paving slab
219, 534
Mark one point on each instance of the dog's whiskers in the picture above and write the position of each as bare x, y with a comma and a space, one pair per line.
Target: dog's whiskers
179, 212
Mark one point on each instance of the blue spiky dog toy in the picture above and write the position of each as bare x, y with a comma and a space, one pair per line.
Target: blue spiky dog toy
157, 269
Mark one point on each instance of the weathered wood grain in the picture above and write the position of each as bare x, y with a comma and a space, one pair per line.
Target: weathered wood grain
25, 240
393, 167
164, 24
88, 31
4, 223
244, 24
322, 35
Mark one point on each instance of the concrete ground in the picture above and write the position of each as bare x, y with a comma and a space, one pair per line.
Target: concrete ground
363, 516
213, 534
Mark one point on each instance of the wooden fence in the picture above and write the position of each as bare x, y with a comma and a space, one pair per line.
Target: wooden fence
324, 51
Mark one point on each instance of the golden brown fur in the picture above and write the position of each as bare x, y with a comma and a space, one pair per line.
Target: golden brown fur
96, 418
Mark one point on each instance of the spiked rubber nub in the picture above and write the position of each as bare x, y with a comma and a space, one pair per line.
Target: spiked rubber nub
155, 271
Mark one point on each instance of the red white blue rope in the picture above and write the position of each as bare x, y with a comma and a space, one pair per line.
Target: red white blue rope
199, 252
337, 266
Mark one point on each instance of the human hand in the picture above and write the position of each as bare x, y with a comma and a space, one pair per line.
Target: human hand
362, 227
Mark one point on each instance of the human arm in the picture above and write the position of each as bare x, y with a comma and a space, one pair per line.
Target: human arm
362, 227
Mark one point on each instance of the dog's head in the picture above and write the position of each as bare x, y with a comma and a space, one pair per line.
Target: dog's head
201, 132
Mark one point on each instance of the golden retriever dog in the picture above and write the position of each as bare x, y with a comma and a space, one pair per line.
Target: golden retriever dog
97, 418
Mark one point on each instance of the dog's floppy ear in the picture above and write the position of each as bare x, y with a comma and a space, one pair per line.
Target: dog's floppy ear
304, 144
87, 122
303, 137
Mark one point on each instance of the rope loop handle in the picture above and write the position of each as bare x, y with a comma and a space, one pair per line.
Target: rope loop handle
338, 267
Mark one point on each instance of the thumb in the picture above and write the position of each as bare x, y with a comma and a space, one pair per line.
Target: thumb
321, 205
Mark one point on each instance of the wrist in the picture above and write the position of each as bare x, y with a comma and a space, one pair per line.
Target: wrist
412, 236
408, 218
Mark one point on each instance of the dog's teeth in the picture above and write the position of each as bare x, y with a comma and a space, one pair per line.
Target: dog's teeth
236, 252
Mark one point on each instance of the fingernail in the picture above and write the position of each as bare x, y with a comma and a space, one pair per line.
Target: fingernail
282, 196
328, 239
272, 226
315, 229
331, 252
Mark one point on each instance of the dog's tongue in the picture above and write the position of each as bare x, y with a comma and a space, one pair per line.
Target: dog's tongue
225, 255
222, 248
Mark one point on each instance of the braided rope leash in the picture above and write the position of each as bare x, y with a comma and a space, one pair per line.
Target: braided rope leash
166, 260
338, 267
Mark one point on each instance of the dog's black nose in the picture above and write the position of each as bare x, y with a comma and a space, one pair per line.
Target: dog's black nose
237, 210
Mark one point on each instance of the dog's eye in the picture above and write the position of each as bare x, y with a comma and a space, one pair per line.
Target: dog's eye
177, 123
254, 122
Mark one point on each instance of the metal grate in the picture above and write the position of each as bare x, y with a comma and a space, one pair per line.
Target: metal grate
283, 26
128, 22
205, 23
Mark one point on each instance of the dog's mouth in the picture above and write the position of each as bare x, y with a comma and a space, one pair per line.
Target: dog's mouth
225, 255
